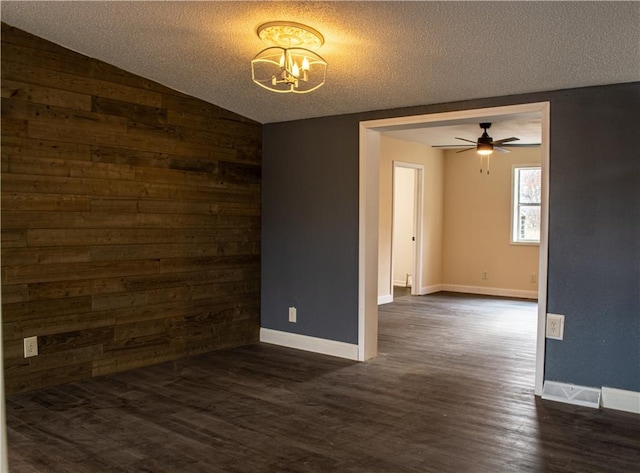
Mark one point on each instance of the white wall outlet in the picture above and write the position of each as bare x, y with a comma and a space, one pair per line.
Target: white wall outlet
485, 275
555, 326
293, 315
30, 347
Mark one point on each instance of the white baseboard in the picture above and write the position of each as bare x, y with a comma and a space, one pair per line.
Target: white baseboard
621, 400
491, 291
430, 289
487, 291
306, 343
400, 283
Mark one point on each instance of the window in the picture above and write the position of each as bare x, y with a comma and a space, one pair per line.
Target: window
526, 204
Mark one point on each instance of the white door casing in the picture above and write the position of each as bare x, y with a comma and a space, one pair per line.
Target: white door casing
369, 164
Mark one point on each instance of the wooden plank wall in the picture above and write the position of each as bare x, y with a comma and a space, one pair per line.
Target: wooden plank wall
130, 219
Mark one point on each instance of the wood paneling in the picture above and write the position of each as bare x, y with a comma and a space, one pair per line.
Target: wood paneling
130, 218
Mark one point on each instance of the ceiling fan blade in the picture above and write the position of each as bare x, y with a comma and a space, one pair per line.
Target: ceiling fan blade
520, 145
507, 145
449, 146
463, 150
501, 150
464, 139
505, 140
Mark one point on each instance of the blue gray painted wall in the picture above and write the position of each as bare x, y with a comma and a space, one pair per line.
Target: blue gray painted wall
310, 228
594, 237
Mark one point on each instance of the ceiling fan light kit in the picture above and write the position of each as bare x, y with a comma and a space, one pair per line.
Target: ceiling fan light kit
484, 145
484, 148
288, 65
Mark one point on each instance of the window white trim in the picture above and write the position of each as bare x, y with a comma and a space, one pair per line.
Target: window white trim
515, 204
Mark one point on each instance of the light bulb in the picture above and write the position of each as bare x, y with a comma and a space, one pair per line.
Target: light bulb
296, 70
305, 64
282, 60
485, 152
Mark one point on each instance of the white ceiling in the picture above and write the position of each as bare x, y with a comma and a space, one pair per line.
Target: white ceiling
380, 54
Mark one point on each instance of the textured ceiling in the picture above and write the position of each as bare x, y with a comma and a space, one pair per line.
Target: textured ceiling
380, 54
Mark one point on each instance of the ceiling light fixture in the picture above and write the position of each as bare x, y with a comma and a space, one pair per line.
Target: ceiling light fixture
288, 65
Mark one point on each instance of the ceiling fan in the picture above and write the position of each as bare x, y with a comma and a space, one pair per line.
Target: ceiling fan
485, 145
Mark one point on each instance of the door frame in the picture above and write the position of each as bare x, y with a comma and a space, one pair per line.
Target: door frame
369, 175
418, 200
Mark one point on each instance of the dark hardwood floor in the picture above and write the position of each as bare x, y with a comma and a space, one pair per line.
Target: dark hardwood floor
451, 391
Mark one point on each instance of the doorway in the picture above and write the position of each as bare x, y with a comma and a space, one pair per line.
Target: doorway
368, 222
406, 234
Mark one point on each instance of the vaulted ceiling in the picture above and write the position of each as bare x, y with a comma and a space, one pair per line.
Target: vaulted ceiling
380, 54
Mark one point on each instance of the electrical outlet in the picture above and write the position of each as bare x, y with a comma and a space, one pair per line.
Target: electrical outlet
485, 275
30, 347
293, 315
555, 326
532, 279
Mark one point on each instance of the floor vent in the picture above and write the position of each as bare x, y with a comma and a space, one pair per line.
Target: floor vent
571, 394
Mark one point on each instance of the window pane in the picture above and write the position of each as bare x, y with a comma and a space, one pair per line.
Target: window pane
529, 223
529, 186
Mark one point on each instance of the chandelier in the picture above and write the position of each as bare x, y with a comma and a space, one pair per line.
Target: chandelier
288, 64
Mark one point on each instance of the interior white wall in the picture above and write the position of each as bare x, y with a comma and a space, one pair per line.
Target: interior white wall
433, 223
393, 149
477, 227
467, 219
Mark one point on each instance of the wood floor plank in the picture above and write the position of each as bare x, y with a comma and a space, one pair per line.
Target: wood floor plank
451, 391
